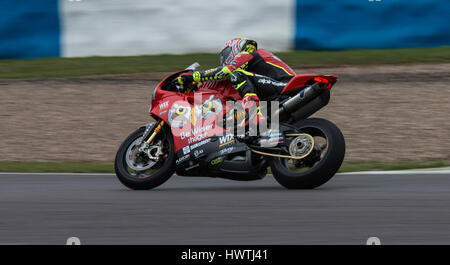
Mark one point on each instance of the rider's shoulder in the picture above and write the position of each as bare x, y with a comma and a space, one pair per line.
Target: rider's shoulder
263, 52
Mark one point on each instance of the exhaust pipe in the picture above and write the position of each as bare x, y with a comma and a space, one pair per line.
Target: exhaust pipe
305, 103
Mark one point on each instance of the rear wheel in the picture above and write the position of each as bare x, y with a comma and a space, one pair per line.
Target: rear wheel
143, 167
323, 147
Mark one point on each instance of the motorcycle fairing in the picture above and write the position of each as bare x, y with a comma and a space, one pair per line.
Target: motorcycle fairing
222, 87
191, 121
304, 80
217, 158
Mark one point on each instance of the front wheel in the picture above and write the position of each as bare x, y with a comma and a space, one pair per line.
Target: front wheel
142, 167
323, 147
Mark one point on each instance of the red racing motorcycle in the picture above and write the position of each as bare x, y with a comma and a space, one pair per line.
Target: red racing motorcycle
189, 137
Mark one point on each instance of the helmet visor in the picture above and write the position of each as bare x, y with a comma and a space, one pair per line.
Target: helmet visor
226, 56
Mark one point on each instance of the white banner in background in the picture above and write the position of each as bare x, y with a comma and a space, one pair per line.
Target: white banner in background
136, 27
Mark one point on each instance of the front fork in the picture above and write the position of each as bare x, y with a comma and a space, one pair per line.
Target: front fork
151, 132
151, 128
155, 132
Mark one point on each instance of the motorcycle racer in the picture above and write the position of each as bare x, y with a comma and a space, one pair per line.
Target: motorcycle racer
255, 73
194, 131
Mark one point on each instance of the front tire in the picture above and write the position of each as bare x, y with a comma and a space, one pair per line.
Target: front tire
319, 169
153, 173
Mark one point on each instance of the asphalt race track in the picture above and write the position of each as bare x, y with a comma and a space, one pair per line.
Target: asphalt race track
409, 208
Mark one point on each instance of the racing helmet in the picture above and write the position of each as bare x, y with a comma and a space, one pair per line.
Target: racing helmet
235, 46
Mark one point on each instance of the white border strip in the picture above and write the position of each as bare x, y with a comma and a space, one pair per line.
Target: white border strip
397, 172
57, 174
391, 172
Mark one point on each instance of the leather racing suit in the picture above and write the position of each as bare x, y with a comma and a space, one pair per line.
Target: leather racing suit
254, 74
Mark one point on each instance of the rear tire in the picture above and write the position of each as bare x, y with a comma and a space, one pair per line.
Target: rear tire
324, 169
161, 175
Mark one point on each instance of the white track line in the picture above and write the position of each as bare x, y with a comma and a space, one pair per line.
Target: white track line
15, 244
391, 172
398, 172
57, 174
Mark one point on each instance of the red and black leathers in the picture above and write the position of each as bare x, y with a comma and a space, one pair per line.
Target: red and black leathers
264, 73
255, 74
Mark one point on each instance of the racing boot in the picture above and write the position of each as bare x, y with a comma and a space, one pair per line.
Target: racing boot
254, 121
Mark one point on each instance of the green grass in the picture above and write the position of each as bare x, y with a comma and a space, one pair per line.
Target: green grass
101, 167
370, 165
67, 67
44, 167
